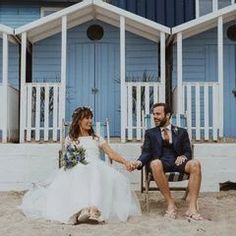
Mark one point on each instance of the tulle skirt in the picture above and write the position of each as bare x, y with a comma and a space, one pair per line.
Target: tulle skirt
95, 184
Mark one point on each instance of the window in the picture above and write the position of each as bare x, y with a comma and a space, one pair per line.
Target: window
45, 11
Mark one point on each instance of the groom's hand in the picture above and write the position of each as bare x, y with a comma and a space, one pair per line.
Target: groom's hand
135, 164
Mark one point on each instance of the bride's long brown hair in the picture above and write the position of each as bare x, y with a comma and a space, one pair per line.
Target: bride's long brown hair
79, 114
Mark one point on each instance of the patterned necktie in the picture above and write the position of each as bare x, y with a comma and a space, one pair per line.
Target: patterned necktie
166, 137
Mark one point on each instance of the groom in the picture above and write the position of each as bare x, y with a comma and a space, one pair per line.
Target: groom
168, 149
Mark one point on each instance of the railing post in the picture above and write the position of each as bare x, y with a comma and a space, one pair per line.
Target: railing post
5, 87
197, 9
123, 101
163, 67
221, 75
62, 97
179, 75
214, 5
22, 86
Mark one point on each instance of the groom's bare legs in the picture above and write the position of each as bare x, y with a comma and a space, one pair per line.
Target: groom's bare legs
162, 183
193, 167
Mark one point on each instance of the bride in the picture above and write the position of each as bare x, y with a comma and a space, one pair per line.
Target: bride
88, 192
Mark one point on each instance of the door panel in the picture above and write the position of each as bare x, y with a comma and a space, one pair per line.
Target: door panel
93, 80
107, 101
80, 77
229, 85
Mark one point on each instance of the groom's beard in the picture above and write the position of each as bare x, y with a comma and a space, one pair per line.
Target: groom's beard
162, 122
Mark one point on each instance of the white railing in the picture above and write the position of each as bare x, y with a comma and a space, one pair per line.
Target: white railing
42, 111
201, 104
211, 5
12, 115
140, 98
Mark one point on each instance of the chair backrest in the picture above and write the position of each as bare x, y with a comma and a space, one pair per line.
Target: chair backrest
100, 128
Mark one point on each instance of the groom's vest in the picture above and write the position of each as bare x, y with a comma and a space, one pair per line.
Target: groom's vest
168, 153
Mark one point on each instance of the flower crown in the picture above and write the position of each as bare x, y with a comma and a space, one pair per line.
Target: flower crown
79, 109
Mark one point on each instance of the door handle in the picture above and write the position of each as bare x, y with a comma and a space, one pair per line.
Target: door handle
94, 90
234, 92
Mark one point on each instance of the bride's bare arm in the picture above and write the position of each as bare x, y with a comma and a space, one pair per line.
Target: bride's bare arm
114, 155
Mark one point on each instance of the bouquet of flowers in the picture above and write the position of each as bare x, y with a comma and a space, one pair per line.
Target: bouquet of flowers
73, 155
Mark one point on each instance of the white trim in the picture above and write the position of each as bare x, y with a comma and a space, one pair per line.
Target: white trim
63, 70
53, 9
22, 85
179, 73
195, 26
4, 86
29, 111
93, 7
138, 31
221, 74
6, 29
54, 30
206, 112
163, 65
197, 8
54, 16
123, 100
132, 16
214, 5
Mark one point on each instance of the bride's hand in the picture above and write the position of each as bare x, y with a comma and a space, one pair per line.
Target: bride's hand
128, 166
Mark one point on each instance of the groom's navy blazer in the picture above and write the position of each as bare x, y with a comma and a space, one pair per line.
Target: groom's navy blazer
152, 147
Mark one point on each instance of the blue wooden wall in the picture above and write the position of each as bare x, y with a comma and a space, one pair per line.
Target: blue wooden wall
200, 64
166, 12
96, 63
17, 14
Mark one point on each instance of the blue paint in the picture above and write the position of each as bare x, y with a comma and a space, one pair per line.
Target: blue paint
16, 14
200, 63
166, 12
95, 64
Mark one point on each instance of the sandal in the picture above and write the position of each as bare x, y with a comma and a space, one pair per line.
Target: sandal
194, 216
171, 214
90, 215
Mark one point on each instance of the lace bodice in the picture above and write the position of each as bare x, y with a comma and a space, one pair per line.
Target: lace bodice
90, 144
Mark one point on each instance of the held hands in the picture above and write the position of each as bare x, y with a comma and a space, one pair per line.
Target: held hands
180, 159
135, 164
132, 165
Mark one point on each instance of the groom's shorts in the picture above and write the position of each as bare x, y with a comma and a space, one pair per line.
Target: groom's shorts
170, 166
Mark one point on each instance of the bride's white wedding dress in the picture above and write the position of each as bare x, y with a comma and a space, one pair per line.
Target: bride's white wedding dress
95, 184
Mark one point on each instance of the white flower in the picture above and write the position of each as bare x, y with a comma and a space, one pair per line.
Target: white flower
176, 130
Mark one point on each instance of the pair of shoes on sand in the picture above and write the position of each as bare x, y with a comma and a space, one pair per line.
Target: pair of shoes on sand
89, 215
194, 216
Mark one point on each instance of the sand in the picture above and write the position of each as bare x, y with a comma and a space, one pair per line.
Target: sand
219, 209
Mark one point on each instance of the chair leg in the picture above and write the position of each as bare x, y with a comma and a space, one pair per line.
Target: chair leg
147, 195
186, 194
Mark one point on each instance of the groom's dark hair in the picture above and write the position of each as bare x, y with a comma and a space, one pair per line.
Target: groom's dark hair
162, 104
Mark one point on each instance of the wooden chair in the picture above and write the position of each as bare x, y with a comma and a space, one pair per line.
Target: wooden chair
146, 173
101, 129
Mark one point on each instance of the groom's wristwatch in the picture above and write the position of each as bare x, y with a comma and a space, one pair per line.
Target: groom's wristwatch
139, 163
